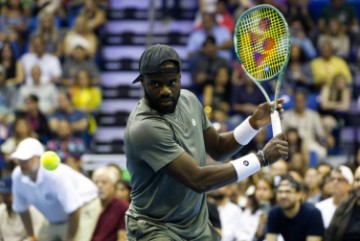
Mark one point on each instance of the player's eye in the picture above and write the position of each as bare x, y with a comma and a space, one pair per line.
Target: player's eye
155, 84
172, 82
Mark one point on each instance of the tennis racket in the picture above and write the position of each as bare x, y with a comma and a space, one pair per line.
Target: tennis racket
262, 46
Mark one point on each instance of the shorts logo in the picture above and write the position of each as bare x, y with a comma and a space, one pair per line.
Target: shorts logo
246, 163
193, 122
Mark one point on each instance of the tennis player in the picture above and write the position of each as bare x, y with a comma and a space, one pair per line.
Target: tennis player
166, 141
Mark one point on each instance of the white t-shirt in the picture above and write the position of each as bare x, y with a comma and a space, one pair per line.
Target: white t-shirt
49, 64
230, 216
327, 209
248, 225
56, 194
47, 94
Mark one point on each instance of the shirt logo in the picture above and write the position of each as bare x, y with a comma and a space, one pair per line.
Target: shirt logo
193, 122
246, 163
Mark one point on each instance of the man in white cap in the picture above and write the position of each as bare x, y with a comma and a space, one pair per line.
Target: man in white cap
68, 200
342, 179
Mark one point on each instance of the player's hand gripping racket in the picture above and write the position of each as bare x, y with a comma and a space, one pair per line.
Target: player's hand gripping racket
262, 45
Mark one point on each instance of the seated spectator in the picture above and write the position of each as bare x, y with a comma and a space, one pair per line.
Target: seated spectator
335, 33
111, 223
335, 98
66, 111
94, 15
85, 96
216, 96
67, 199
8, 61
312, 182
230, 213
11, 227
297, 165
79, 60
299, 37
223, 38
264, 194
259, 202
345, 222
123, 191
112, 167
298, 72
291, 218
50, 32
21, 131
49, 64
46, 93
278, 169
69, 147
35, 117
326, 188
297, 145
298, 10
344, 12
207, 64
324, 169
222, 15
327, 66
14, 20
341, 179
308, 124
80, 34
245, 96
9, 95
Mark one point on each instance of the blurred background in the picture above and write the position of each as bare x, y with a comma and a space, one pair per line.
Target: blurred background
66, 69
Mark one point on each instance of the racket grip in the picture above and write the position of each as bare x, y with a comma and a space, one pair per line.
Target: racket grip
275, 123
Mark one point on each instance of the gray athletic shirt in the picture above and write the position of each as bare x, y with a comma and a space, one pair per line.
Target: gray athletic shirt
151, 142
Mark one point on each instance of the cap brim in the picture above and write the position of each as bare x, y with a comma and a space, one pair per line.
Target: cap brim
160, 71
22, 156
138, 79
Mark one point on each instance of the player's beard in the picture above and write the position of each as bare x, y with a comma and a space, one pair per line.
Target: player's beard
154, 103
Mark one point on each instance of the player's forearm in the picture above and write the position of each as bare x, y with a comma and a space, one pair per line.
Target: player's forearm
226, 147
229, 143
26, 219
213, 177
205, 178
74, 219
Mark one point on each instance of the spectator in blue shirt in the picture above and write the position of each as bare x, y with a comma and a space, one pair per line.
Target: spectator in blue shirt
66, 111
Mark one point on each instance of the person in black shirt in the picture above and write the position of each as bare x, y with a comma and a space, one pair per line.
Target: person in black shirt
294, 220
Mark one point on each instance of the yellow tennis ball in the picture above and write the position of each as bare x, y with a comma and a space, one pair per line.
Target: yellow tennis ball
50, 160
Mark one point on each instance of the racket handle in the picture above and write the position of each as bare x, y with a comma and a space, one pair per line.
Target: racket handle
275, 123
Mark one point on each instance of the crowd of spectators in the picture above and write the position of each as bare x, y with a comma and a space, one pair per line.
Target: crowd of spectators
50, 91
295, 199
320, 83
49, 75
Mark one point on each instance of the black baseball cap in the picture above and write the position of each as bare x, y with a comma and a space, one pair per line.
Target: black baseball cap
154, 56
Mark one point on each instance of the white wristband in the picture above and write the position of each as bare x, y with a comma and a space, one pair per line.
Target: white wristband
244, 133
246, 166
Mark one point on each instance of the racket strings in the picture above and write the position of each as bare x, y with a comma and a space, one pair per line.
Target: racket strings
263, 43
